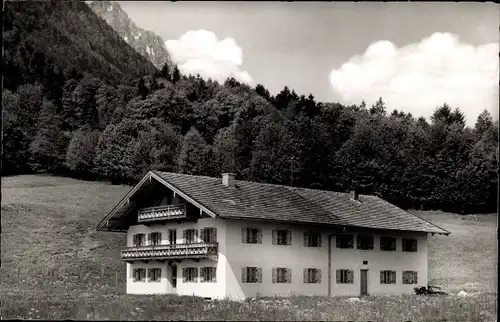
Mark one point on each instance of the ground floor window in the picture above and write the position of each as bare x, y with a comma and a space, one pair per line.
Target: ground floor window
154, 274
387, 277
345, 276
282, 275
208, 274
251, 275
139, 274
190, 274
312, 275
410, 277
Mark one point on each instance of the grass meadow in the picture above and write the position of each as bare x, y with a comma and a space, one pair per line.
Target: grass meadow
54, 265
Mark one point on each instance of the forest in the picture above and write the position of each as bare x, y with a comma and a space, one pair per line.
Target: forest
105, 113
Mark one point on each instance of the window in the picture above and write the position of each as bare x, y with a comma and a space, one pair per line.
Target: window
387, 243
139, 274
208, 274
209, 235
139, 240
251, 275
190, 235
189, 274
154, 239
345, 276
345, 241
409, 245
312, 239
410, 277
312, 275
172, 236
154, 274
387, 277
282, 237
282, 275
251, 236
365, 242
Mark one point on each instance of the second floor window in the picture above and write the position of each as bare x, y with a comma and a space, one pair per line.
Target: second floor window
282, 275
139, 240
209, 235
345, 241
139, 274
172, 236
365, 242
251, 275
190, 274
251, 236
282, 237
312, 239
388, 243
312, 275
409, 245
190, 235
387, 277
155, 238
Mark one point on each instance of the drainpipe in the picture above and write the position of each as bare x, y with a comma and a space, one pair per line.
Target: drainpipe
330, 264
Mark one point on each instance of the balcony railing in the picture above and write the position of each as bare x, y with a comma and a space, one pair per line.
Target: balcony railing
161, 213
173, 251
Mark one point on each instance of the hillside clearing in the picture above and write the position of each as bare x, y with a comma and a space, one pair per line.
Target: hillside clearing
56, 266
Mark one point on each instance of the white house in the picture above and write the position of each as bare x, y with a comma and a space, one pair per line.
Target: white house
226, 238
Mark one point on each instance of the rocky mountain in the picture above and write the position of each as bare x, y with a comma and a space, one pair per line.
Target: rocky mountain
145, 42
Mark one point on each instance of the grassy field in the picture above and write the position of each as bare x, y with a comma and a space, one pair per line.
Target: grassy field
56, 266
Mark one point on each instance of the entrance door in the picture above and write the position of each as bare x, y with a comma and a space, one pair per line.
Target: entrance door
364, 282
174, 276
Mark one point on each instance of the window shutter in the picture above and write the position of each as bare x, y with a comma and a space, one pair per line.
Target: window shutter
350, 276
195, 269
214, 234
150, 237
415, 245
134, 240
150, 274
393, 277
275, 237
306, 277
381, 277
195, 235
350, 241
338, 276
415, 278
258, 274
306, 239
318, 276
244, 234
370, 244
320, 239
259, 236
289, 275
289, 235
275, 275
132, 274
158, 273
338, 240
143, 274
358, 238
203, 274
244, 274
184, 235
203, 235
184, 275
159, 238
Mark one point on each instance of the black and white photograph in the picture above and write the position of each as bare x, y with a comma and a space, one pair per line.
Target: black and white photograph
249, 161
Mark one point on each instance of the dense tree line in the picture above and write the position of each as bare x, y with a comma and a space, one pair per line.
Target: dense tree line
88, 126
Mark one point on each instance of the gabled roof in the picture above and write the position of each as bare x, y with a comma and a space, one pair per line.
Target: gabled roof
252, 200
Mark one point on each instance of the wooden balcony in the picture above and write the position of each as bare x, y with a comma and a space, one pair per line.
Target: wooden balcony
161, 213
170, 252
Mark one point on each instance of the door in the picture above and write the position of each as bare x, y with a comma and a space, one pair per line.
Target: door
174, 276
364, 282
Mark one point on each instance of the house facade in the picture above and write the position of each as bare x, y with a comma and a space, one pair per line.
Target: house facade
194, 235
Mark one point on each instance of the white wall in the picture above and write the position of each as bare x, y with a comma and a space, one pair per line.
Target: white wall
204, 289
297, 257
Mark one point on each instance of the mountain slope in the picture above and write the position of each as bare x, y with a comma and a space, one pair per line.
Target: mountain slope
42, 38
145, 42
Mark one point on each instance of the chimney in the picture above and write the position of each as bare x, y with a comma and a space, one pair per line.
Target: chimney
228, 179
355, 195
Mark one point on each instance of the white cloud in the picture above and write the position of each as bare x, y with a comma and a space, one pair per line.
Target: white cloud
200, 52
418, 77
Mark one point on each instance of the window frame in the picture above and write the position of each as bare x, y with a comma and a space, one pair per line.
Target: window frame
388, 277
361, 242
208, 271
413, 246
139, 240
341, 243
172, 233
383, 241
251, 235
251, 271
285, 240
345, 276
155, 241
412, 279
312, 276
188, 238
211, 232
138, 275
313, 239
154, 275
190, 274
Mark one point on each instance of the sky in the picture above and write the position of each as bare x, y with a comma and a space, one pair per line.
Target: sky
415, 56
